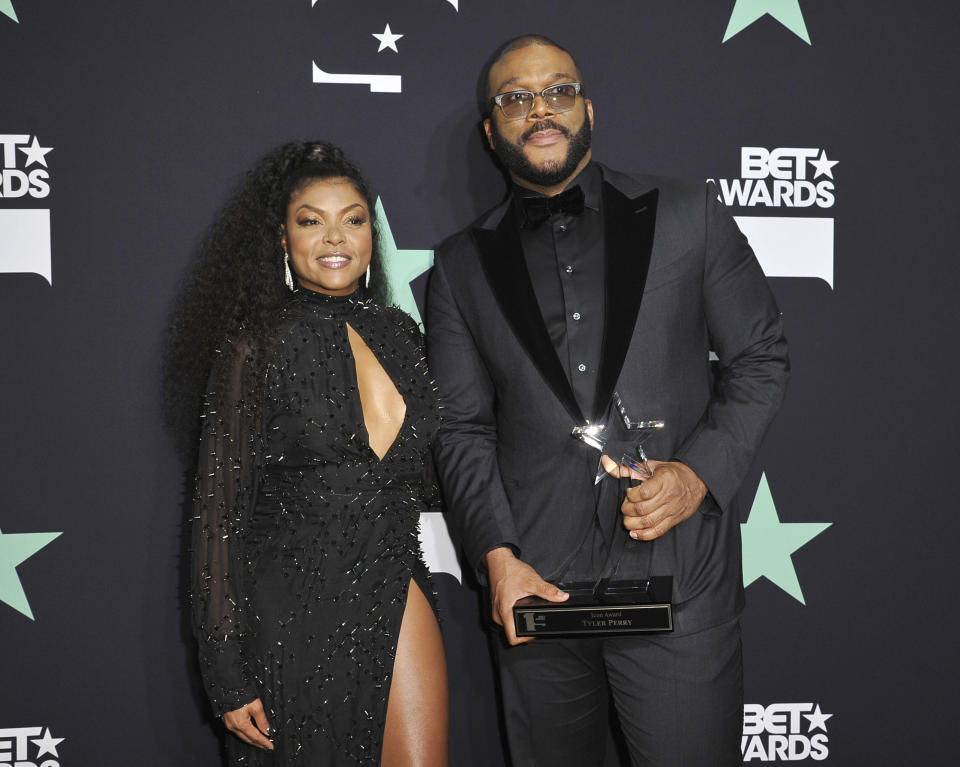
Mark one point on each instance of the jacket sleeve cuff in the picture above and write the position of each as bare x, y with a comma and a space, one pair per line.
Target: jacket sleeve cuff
480, 565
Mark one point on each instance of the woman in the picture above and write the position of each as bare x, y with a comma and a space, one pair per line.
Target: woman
311, 602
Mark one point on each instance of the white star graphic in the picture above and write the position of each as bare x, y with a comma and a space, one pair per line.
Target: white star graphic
818, 720
823, 165
47, 744
35, 153
387, 40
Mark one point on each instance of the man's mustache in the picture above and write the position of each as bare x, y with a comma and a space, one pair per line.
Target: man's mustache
540, 125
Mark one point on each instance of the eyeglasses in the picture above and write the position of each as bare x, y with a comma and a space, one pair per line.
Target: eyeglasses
558, 98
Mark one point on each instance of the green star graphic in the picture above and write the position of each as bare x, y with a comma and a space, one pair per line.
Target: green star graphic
401, 266
14, 549
768, 543
787, 12
6, 8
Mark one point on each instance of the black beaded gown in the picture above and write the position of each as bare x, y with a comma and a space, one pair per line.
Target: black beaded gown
305, 542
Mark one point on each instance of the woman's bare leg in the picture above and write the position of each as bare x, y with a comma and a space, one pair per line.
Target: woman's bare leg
416, 729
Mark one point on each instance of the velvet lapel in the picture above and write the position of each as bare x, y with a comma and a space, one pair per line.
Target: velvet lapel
502, 257
629, 225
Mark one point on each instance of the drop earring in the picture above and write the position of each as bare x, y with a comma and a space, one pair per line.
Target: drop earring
367, 284
287, 274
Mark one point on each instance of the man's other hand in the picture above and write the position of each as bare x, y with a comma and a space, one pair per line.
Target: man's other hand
670, 496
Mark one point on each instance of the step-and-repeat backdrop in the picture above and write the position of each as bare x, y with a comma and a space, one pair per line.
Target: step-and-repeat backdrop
831, 133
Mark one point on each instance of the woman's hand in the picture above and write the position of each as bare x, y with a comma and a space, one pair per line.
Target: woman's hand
250, 724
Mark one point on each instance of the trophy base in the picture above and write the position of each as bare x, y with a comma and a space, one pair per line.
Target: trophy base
606, 607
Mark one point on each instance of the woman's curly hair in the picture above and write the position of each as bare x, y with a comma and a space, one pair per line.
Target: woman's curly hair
235, 287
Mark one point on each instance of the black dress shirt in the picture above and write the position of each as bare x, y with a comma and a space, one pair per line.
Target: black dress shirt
565, 260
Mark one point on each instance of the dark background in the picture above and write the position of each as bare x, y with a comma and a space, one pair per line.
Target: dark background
155, 109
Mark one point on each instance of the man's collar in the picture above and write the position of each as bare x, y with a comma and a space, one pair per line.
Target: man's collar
590, 180
631, 185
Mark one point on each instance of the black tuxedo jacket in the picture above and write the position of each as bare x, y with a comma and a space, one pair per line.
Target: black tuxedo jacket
680, 281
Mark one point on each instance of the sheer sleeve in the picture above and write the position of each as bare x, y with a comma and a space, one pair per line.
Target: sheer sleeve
225, 488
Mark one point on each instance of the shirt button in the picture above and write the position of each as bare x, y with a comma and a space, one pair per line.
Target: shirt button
576, 315
582, 368
568, 269
562, 228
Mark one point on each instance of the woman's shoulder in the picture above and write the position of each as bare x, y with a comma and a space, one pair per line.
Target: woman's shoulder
399, 317
405, 323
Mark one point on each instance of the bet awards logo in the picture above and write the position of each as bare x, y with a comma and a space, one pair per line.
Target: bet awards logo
791, 180
783, 732
24, 230
20, 176
24, 747
378, 83
781, 178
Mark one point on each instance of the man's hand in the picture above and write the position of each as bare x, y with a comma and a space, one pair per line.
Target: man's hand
512, 579
670, 496
249, 723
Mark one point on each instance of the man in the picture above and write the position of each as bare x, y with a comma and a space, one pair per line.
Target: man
537, 313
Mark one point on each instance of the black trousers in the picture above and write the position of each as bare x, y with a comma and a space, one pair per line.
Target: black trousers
679, 699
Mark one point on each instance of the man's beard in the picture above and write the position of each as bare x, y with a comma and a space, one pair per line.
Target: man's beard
553, 172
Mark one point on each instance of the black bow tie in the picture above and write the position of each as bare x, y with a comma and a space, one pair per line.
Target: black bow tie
536, 210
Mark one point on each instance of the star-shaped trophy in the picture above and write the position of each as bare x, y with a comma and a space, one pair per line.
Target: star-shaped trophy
607, 606
594, 435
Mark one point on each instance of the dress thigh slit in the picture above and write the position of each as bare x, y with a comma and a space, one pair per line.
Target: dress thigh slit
415, 730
